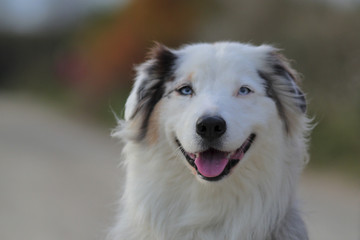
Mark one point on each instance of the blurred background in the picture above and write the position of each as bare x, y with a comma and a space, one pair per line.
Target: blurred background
66, 66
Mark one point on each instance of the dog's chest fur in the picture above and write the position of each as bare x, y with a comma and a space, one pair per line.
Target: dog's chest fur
171, 205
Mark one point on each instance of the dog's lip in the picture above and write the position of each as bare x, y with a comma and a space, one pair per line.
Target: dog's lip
233, 158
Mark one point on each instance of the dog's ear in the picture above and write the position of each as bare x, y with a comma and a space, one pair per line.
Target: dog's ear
282, 85
149, 87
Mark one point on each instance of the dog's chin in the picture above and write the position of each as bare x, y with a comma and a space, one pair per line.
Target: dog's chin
213, 164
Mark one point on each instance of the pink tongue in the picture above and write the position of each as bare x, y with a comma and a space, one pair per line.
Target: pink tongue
211, 163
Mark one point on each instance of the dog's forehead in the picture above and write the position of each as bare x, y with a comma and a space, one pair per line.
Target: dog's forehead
221, 60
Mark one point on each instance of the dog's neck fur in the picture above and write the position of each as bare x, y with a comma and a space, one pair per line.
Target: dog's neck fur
257, 205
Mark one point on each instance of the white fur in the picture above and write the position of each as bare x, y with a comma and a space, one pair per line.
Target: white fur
164, 200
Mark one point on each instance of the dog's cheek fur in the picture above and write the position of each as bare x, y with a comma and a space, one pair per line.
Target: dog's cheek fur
153, 126
148, 90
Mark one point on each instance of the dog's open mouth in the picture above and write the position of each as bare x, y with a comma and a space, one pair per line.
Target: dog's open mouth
212, 164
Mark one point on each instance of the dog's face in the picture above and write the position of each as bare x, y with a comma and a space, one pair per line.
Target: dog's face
212, 102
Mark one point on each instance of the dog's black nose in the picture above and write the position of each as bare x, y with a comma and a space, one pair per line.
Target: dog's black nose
210, 127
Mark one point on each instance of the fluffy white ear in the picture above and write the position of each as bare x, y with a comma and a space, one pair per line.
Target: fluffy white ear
148, 88
281, 83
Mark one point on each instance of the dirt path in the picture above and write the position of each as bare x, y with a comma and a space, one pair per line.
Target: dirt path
58, 180
331, 206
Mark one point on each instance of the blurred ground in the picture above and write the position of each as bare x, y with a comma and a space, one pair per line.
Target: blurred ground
59, 180
58, 176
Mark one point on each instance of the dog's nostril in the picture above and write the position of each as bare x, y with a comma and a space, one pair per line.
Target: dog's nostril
201, 128
218, 128
210, 127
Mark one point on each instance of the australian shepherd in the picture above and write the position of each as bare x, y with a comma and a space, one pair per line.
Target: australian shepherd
215, 139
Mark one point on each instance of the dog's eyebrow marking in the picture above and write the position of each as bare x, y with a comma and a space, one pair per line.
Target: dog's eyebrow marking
190, 77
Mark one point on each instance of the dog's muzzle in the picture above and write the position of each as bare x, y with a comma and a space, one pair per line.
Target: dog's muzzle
213, 164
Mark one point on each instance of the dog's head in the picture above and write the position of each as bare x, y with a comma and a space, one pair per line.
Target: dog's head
213, 102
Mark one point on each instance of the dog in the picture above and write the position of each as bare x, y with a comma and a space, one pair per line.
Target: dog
215, 139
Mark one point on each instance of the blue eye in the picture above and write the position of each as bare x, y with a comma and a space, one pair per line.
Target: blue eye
244, 91
185, 90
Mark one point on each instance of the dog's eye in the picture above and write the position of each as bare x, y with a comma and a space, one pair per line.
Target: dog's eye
185, 90
244, 91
